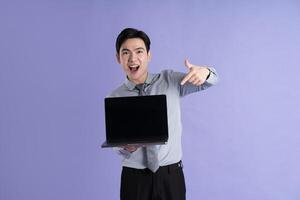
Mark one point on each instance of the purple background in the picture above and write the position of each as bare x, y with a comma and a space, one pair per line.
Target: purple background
241, 138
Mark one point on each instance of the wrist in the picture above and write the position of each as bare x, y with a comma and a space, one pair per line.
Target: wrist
209, 73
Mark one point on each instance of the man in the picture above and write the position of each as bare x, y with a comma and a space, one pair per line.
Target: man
164, 181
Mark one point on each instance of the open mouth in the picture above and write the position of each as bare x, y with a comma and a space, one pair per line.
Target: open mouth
134, 68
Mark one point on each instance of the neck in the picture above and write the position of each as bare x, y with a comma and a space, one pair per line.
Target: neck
141, 80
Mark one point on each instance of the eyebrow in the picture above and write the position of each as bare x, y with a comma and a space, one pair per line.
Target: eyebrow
139, 48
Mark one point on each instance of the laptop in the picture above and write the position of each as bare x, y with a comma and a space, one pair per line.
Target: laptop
137, 120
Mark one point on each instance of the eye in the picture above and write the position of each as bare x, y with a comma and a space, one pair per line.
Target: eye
139, 51
124, 52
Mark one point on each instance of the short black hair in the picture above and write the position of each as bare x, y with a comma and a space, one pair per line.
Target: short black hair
129, 33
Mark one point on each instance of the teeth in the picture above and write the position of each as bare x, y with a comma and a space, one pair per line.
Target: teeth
134, 67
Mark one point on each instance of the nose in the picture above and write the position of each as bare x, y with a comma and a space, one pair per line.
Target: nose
132, 57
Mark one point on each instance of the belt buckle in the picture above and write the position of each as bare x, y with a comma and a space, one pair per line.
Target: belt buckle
179, 164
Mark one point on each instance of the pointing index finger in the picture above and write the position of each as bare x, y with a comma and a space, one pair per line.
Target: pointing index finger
186, 78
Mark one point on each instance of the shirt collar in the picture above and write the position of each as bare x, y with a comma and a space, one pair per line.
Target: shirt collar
131, 85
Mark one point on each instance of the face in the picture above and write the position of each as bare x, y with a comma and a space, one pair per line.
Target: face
134, 59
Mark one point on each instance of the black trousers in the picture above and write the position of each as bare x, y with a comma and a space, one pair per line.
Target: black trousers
167, 183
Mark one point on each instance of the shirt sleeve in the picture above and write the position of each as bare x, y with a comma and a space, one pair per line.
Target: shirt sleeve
189, 88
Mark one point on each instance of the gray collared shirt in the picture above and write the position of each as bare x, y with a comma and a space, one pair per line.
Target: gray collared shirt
167, 82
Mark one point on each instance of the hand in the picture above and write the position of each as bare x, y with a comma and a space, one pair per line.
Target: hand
197, 75
132, 148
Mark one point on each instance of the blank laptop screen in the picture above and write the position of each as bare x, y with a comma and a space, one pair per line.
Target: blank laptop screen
134, 119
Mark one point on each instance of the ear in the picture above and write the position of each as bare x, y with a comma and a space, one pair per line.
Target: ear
118, 58
149, 56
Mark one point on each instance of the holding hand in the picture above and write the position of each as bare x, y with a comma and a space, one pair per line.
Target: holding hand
131, 148
197, 75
